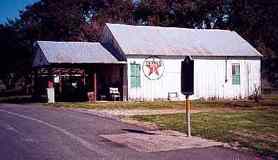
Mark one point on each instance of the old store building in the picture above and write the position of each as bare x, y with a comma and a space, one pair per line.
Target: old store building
144, 63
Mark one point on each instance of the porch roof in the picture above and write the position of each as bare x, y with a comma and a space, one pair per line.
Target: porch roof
49, 52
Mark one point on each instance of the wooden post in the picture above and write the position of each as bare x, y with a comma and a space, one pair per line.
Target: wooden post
35, 86
187, 105
84, 77
124, 83
95, 86
60, 85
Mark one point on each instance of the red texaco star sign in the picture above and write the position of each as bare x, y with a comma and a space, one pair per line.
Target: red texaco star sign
153, 68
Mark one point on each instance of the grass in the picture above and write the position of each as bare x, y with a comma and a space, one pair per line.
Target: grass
139, 105
254, 129
197, 104
16, 99
122, 105
249, 124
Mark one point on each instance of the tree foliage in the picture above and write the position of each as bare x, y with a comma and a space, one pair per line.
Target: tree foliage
83, 20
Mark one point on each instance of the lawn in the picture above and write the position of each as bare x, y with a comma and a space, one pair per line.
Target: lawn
242, 123
254, 128
16, 99
156, 105
122, 105
197, 104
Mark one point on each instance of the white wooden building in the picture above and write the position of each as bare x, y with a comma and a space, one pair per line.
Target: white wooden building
225, 65
144, 62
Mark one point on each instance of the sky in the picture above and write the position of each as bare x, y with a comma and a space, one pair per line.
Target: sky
10, 8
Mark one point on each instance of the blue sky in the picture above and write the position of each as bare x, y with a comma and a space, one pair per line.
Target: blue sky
10, 8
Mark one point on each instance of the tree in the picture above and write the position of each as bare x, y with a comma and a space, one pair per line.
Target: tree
256, 21
83, 20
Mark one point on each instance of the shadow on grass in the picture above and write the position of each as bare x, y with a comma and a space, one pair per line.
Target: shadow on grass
138, 131
21, 99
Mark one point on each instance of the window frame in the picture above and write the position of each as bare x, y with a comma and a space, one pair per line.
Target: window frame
135, 78
236, 74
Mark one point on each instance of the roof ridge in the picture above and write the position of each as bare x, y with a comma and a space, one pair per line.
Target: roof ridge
68, 42
139, 40
167, 27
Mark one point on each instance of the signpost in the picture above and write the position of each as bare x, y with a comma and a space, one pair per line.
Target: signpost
188, 118
187, 87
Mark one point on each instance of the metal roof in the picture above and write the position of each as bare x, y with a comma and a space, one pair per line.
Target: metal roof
75, 52
171, 41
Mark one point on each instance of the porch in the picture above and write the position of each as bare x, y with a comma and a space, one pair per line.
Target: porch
74, 82
78, 70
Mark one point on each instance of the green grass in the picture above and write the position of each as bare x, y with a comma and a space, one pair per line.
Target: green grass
252, 125
140, 105
254, 129
16, 99
197, 104
122, 105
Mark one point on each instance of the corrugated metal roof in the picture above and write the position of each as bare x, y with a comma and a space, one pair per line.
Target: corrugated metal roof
76, 52
153, 40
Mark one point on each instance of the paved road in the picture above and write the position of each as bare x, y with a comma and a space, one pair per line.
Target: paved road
33, 132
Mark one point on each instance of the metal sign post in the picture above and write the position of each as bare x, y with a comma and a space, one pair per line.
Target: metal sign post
187, 88
188, 119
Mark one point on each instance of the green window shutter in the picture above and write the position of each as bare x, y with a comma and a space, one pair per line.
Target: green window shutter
132, 70
133, 82
135, 79
138, 79
236, 74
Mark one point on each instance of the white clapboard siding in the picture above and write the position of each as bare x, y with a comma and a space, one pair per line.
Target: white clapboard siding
136, 43
209, 79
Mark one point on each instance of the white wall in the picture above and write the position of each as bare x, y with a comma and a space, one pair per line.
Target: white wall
156, 89
209, 79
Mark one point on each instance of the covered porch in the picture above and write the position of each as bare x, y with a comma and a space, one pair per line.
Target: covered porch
90, 73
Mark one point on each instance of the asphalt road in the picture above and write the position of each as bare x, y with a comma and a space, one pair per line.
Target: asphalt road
33, 132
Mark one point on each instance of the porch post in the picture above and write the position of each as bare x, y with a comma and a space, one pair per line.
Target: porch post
35, 85
125, 82
60, 85
95, 86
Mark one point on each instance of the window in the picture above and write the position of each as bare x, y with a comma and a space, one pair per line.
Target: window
236, 74
135, 72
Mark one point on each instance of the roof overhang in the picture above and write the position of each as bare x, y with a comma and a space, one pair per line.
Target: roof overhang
48, 53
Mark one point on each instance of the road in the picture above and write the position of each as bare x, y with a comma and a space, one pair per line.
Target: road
33, 132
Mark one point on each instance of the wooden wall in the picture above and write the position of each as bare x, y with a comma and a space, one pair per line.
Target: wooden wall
209, 79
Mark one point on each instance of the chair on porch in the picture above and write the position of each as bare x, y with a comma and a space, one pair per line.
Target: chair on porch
114, 93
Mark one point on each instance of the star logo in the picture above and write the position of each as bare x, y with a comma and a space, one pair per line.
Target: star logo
153, 68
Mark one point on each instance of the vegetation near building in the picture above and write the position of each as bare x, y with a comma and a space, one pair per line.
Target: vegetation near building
83, 20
